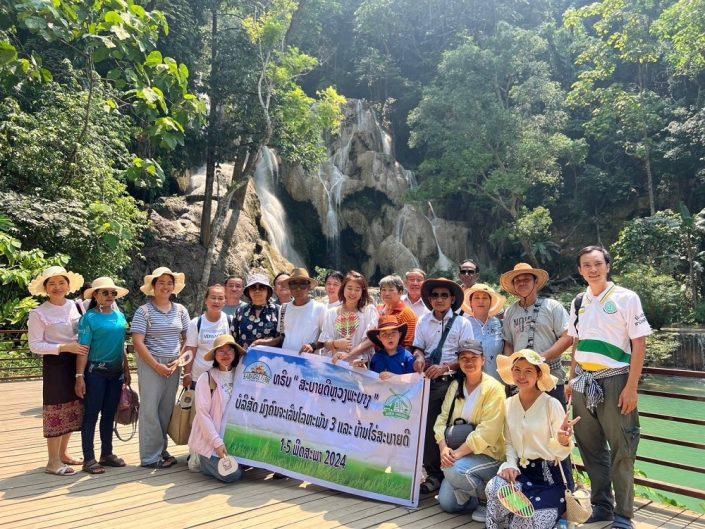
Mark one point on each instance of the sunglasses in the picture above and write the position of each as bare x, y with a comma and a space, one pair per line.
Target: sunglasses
441, 295
464, 272
112, 293
294, 286
257, 286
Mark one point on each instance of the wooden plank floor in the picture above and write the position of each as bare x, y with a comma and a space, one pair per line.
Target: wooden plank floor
176, 498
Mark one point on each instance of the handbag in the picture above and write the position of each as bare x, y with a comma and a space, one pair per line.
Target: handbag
182, 417
127, 412
577, 504
456, 434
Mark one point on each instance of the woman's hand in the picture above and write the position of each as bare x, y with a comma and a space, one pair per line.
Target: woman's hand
358, 363
342, 344
385, 375
220, 451
448, 459
339, 356
509, 474
306, 348
419, 364
74, 348
187, 380
80, 387
566, 430
164, 370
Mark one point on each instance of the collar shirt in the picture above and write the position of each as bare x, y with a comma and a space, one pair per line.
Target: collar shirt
429, 330
418, 306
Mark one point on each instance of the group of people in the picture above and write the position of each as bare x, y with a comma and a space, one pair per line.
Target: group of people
493, 368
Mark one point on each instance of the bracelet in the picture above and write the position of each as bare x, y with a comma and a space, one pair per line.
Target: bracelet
79, 375
187, 375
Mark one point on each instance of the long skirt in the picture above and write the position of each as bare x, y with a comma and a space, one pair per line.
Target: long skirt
62, 410
541, 482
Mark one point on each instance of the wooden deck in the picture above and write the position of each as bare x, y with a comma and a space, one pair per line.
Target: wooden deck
176, 498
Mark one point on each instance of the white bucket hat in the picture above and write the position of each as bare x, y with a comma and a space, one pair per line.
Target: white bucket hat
36, 286
106, 283
179, 280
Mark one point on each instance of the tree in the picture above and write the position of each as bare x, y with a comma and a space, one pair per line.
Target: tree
490, 124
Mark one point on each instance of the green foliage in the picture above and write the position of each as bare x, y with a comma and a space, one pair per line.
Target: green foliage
682, 28
660, 348
661, 296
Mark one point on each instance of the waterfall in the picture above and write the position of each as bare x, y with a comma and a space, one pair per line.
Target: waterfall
332, 180
691, 351
443, 262
273, 214
399, 227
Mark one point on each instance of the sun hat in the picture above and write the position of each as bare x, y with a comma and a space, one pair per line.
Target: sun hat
220, 341
300, 273
179, 280
473, 346
104, 282
441, 282
546, 381
36, 286
258, 278
497, 299
507, 278
387, 323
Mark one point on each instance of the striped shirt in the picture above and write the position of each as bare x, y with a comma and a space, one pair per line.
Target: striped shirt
161, 330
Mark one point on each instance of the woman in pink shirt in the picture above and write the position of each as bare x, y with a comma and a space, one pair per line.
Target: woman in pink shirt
214, 388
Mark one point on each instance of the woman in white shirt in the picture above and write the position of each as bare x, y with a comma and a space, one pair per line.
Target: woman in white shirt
538, 437
52, 335
345, 327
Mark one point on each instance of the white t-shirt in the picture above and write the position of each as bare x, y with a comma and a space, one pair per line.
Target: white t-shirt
204, 341
301, 324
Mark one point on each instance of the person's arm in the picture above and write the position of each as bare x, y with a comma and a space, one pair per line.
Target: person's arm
80, 386
203, 412
277, 341
37, 345
509, 470
439, 427
629, 398
557, 349
489, 422
560, 329
126, 369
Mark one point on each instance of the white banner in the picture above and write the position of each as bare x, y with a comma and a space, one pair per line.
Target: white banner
328, 424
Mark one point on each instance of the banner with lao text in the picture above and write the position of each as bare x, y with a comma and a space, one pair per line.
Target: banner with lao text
327, 424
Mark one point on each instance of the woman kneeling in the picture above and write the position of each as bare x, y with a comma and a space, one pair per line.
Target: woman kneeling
538, 441
476, 399
214, 388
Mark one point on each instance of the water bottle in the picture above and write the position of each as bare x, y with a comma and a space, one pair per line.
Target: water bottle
562, 524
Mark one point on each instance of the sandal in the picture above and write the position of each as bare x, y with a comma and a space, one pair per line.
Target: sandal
93, 467
162, 463
72, 461
112, 460
61, 471
431, 484
169, 459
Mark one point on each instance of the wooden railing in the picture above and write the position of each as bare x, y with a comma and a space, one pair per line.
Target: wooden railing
18, 363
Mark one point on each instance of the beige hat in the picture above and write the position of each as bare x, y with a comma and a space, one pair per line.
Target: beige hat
179, 280
107, 283
258, 278
507, 278
497, 299
36, 286
220, 341
300, 273
546, 381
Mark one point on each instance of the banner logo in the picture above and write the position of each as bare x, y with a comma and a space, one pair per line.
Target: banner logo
257, 372
397, 406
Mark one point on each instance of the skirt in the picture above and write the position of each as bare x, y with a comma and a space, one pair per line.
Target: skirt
542, 483
62, 410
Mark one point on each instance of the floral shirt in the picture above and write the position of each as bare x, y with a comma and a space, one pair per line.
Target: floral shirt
247, 327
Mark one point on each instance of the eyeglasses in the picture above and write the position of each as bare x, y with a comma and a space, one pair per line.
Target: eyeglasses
111, 293
441, 295
294, 286
388, 334
464, 272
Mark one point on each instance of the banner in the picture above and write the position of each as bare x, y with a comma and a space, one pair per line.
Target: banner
327, 424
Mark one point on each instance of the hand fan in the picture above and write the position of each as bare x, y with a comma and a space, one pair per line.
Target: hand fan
515, 501
184, 359
227, 465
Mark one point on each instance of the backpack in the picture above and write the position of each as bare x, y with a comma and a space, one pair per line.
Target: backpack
577, 303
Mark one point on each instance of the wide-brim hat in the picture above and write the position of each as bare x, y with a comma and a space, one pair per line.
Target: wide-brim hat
507, 278
220, 341
36, 286
107, 283
546, 381
300, 273
441, 282
497, 299
258, 279
387, 323
179, 280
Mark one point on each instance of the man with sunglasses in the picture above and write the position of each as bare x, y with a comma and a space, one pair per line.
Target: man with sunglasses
300, 320
469, 273
438, 336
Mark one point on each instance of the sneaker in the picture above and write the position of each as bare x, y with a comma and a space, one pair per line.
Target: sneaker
480, 514
600, 514
620, 522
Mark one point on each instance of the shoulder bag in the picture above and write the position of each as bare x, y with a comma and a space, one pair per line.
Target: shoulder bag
127, 412
457, 433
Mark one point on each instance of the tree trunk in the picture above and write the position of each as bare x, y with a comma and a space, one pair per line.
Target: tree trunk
210, 136
650, 182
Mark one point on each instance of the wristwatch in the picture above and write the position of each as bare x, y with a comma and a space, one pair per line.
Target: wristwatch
79, 375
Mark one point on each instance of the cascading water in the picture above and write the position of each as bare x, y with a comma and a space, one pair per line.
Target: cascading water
332, 180
443, 262
273, 214
399, 230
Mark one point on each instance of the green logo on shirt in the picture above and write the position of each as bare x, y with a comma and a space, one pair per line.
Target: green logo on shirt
610, 307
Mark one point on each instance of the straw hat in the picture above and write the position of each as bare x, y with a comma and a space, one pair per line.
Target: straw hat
496, 298
387, 323
546, 381
258, 279
179, 280
300, 273
36, 286
104, 282
441, 282
220, 341
523, 268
